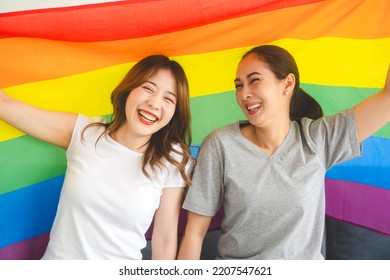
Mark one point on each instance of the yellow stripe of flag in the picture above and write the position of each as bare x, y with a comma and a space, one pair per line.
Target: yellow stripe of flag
322, 61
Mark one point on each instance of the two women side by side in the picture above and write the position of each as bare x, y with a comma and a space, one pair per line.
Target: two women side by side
267, 172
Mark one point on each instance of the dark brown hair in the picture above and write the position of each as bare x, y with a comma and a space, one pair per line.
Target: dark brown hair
177, 131
282, 63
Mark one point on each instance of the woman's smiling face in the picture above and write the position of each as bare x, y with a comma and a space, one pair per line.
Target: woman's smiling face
152, 105
259, 93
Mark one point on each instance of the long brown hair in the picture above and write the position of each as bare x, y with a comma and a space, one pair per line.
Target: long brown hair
282, 63
177, 131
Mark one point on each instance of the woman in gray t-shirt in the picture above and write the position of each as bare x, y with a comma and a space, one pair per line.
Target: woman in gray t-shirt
268, 172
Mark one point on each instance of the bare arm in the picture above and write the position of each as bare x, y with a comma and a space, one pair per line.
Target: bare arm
49, 126
196, 229
164, 238
374, 112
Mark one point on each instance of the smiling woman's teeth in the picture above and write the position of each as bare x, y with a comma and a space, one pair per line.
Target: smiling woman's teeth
253, 107
147, 116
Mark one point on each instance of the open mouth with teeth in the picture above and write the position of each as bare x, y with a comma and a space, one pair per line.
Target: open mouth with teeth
253, 108
146, 117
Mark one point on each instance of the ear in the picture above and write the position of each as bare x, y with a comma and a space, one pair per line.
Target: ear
289, 84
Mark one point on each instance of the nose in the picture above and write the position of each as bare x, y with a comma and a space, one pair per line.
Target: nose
154, 103
245, 93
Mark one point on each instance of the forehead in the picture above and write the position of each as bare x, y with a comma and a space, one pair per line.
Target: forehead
251, 63
163, 78
161, 73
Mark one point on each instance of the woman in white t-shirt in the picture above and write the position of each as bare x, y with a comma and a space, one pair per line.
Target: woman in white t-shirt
267, 172
120, 175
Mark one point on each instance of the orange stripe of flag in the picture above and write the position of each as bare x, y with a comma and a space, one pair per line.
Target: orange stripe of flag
58, 59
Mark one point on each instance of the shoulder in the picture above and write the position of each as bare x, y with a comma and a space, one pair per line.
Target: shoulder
176, 151
329, 130
178, 154
342, 119
219, 141
222, 133
82, 123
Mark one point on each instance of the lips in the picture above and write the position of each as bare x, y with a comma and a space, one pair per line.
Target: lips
253, 107
147, 117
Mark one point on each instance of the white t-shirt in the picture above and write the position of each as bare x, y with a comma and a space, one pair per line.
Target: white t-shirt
107, 203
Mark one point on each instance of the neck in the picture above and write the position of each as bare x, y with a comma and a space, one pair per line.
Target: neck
126, 138
270, 138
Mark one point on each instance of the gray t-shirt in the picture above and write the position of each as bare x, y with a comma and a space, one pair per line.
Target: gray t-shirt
274, 204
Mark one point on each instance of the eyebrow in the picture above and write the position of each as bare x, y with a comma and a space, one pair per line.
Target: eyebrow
247, 76
153, 83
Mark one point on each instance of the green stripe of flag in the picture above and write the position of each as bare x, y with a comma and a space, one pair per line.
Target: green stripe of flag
25, 161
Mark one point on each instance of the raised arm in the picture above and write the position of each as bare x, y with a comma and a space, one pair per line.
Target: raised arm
49, 126
165, 227
374, 112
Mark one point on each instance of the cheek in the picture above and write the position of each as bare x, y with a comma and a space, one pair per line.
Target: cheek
169, 112
239, 98
240, 102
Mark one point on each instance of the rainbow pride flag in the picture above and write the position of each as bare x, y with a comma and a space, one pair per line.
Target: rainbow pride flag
70, 56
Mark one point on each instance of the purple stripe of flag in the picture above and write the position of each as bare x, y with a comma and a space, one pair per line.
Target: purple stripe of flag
360, 204
29, 249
